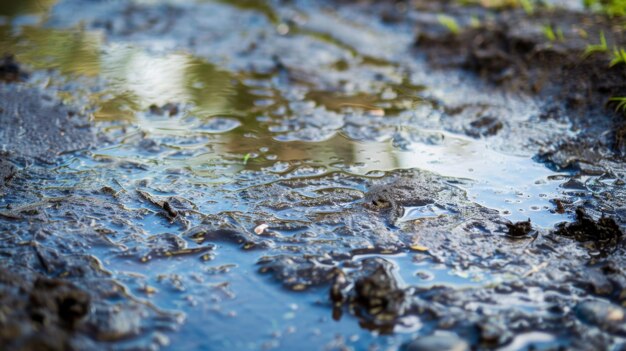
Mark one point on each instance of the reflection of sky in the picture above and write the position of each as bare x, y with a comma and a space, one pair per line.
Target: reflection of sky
499, 179
150, 79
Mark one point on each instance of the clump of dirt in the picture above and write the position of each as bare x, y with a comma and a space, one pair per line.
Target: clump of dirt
405, 191
519, 229
53, 301
604, 233
484, 126
10, 70
7, 171
605, 279
298, 273
168, 109
373, 295
604, 315
582, 155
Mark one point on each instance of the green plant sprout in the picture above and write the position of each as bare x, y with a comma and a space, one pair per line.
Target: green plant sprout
528, 7
548, 32
246, 158
474, 22
596, 48
560, 35
613, 8
450, 23
621, 103
619, 56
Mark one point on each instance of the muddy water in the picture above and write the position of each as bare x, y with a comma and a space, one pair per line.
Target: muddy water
242, 124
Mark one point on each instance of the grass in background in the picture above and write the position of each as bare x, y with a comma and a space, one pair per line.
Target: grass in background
621, 103
596, 48
613, 8
450, 23
619, 56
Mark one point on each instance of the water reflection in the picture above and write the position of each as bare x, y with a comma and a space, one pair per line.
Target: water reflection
221, 111
145, 79
135, 79
71, 52
25, 7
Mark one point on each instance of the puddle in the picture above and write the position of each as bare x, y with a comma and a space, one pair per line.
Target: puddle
532, 341
417, 212
185, 126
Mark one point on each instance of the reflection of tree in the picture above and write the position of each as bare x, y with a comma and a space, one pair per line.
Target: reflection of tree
135, 79
71, 52
143, 80
13, 8
260, 6
214, 91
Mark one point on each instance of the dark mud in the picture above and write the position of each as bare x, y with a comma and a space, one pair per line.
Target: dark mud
240, 144
57, 296
10, 70
514, 50
603, 233
520, 229
36, 125
7, 171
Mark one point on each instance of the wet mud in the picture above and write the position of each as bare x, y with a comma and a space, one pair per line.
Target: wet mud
571, 72
38, 126
310, 175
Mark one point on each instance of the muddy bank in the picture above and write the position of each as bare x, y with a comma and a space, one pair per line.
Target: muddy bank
564, 57
55, 296
37, 126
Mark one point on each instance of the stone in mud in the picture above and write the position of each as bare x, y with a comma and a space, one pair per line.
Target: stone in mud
492, 333
392, 197
37, 125
437, 342
519, 229
574, 184
113, 323
581, 155
484, 126
602, 314
604, 232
